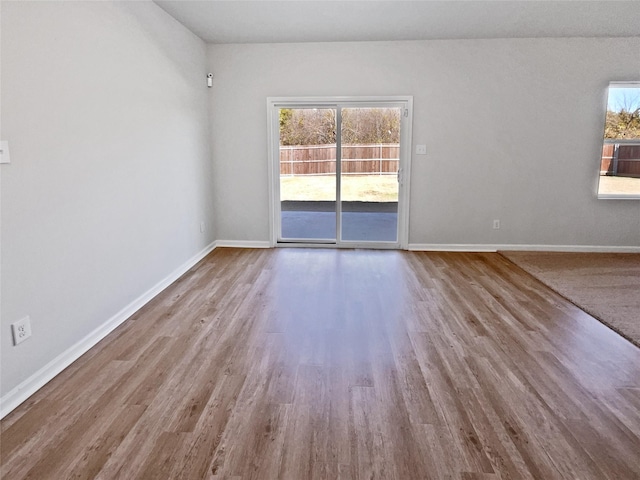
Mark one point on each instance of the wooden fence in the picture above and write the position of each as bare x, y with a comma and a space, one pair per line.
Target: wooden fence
621, 159
380, 159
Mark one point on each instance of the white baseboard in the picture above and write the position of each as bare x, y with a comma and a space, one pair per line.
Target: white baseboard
452, 247
243, 243
31, 385
449, 247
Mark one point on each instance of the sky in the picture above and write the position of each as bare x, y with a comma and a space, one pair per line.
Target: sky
627, 97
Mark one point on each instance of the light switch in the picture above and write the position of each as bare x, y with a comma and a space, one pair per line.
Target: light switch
4, 152
421, 149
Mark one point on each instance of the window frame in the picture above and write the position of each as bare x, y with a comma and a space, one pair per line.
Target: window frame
605, 141
273, 106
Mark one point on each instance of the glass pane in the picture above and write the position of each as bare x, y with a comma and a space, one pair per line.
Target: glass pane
308, 173
620, 163
369, 168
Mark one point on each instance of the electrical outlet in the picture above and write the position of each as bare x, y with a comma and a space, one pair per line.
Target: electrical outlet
496, 224
21, 330
201, 227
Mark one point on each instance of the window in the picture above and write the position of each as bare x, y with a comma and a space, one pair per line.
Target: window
620, 162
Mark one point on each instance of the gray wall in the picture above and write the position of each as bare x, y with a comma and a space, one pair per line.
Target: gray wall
513, 129
105, 109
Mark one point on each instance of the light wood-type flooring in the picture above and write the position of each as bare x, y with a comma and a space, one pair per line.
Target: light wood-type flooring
341, 364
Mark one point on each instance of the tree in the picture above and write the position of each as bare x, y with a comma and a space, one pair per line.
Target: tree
317, 126
307, 126
370, 125
622, 124
623, 115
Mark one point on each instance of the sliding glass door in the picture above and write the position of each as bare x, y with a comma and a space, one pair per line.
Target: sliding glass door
369, 164
336, 172
307, 152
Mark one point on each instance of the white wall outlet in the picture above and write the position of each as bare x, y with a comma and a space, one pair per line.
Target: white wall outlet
21, 330
421, 149
496, 224
201, 227
4, 152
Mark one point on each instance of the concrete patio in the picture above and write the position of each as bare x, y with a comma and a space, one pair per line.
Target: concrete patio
361, 221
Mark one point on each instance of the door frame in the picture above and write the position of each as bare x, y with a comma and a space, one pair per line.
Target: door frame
273, 155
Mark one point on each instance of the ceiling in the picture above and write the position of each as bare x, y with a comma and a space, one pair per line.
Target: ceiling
330, 20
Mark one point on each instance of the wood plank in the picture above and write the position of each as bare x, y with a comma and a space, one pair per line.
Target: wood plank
348, 364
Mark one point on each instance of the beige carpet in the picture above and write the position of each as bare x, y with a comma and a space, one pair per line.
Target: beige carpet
605, 285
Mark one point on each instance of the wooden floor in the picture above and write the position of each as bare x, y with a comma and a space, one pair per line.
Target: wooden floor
341, 364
